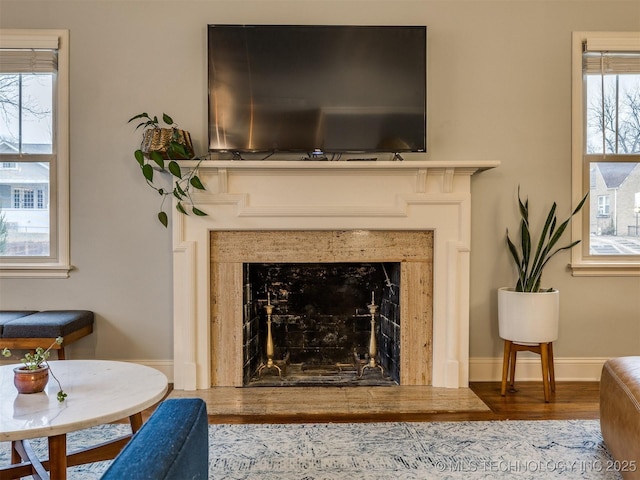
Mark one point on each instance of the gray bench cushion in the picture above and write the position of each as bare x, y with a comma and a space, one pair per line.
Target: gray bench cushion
7, 315
47, 324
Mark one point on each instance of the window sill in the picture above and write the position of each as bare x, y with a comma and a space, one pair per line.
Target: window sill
605, 269
34, 270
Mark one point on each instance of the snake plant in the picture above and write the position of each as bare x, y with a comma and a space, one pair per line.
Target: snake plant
530, 266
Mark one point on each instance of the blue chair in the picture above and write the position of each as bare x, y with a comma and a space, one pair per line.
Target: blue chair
172, 445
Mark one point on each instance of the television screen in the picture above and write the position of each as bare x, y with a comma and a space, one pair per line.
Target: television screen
277, 88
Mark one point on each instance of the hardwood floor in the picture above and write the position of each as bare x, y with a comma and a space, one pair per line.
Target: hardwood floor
572, 400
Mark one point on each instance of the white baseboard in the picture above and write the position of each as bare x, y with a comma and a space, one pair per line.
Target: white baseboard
529, 368
164, 366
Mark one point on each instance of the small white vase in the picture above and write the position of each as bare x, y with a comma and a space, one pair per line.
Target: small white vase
528, 318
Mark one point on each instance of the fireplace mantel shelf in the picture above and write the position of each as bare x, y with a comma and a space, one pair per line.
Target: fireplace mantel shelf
470, 165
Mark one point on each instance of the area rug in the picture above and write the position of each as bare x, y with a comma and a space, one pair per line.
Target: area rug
554, 449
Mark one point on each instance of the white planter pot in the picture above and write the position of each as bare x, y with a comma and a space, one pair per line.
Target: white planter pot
525, 317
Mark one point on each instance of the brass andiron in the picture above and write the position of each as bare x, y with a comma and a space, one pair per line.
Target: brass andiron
373, 346
270, 364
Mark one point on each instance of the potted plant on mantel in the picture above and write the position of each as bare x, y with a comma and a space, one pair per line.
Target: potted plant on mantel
528, 313
33, 376
168, 143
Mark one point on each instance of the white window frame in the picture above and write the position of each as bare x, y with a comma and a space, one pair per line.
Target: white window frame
57, 265
583, 264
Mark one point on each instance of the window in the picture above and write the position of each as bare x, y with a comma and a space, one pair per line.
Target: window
603, 205
606, 152
34, 153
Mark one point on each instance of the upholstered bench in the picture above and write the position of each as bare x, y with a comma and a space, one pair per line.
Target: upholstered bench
8, 315
27, 330
172, 445
620, 413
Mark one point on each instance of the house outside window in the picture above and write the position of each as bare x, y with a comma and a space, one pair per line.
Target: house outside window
606, 152
34, 153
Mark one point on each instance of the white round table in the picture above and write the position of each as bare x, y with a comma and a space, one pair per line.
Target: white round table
99, 391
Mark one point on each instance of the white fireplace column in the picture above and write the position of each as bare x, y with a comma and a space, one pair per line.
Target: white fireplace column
316, 195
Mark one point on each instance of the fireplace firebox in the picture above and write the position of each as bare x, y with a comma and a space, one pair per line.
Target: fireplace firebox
321, 324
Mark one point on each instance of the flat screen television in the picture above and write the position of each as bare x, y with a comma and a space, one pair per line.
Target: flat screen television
320, 88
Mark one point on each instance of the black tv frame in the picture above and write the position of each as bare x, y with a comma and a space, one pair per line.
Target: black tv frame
320, 151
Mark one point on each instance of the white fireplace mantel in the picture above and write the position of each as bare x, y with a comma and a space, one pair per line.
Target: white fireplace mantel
327, 195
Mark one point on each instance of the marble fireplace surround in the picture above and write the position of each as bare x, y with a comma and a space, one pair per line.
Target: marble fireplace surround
255, 196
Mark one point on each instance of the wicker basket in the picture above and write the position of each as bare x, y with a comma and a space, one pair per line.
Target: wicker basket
159, 140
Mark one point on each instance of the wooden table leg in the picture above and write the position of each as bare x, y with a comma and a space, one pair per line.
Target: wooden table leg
58, 457
136, 422
15, 455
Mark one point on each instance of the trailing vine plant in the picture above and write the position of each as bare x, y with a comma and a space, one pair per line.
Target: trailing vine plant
165, 161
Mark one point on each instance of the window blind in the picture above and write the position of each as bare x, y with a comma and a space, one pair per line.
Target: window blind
28, 60
611, 63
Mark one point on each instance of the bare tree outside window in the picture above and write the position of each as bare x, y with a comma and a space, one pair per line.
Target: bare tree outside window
26, 111
619, 114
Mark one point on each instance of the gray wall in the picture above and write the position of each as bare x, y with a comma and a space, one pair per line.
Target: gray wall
499, 88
